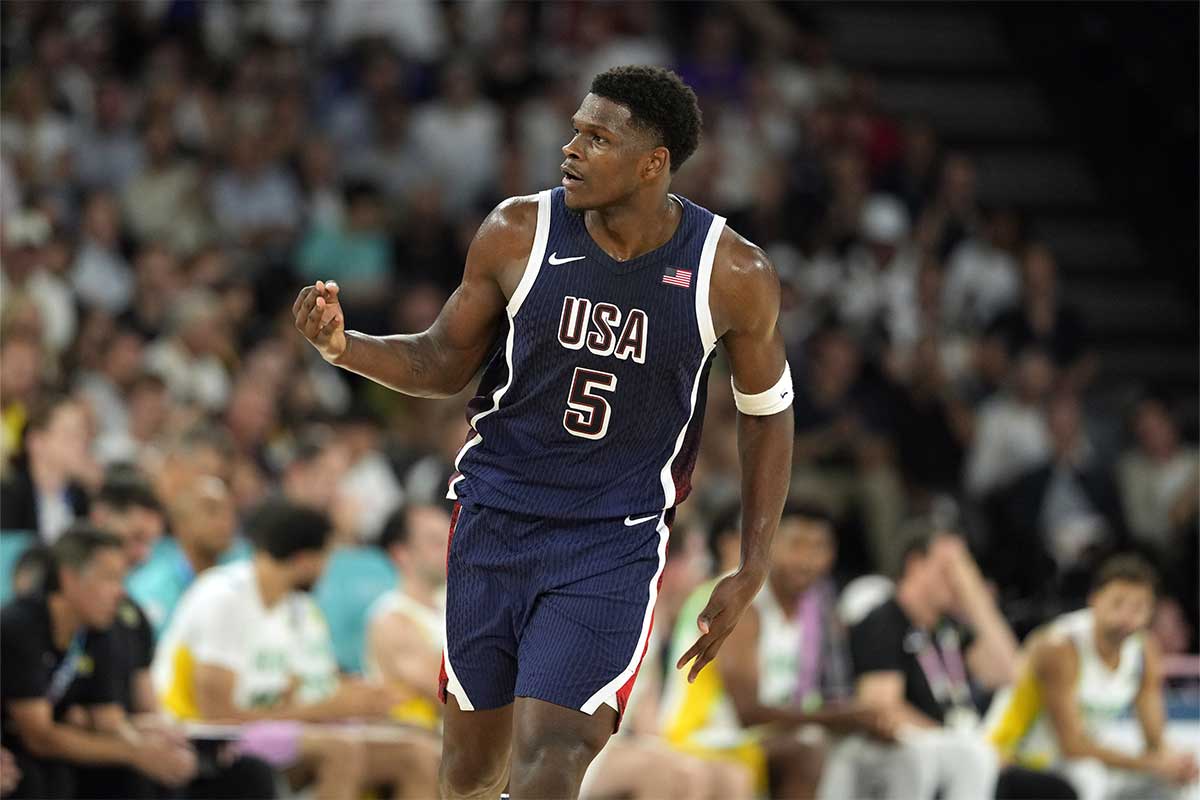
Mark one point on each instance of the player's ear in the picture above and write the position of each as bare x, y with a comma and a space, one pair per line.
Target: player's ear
657, 163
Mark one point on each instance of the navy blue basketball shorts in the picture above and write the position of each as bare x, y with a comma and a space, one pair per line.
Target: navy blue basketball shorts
557, 610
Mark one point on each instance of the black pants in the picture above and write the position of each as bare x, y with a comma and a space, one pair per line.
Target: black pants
244, 779
44, 779
1019, 783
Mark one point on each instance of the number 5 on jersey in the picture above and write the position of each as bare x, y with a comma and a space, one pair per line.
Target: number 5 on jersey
587, 411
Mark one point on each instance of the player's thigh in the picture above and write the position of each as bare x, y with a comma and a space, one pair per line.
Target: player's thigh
478, 742
583, 643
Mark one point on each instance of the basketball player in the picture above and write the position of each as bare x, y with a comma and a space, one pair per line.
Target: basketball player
597, 307
1083, 672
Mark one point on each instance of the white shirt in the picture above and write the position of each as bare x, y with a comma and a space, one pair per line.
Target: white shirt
221, 621
981, 281
1011, 439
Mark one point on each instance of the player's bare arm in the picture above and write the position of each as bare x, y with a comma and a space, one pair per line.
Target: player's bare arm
1152, 715
440, 361
745, 309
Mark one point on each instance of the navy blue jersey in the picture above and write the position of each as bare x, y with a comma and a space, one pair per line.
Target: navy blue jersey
591, 406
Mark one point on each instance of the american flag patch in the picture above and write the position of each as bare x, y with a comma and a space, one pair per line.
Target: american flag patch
678, 277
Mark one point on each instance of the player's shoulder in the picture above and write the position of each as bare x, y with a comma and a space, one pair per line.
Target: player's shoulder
515, 215
508, 230
744, 283
1052, 652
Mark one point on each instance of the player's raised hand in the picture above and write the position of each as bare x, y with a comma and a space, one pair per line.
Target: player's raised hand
729, 600
318, 315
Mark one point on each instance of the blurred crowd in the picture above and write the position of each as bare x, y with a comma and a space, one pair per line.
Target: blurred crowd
171, 173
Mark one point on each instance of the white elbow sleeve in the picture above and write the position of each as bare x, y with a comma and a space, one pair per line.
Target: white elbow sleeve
770, 401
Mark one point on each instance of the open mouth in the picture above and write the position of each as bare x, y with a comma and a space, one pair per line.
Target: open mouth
570, 178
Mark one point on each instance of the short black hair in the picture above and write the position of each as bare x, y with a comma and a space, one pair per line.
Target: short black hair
395, 529
126, 489
282, 529
658, 101
808, 510
1128, 567
76, 548
39, 564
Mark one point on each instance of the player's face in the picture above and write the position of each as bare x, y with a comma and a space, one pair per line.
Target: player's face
605, 157
95, 590
803, 553
1121, 609
428, 535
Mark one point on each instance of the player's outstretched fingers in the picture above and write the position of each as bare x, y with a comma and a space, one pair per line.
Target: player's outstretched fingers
703, 660
301, 299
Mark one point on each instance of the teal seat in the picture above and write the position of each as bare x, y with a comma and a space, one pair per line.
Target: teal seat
12, 545
354, 578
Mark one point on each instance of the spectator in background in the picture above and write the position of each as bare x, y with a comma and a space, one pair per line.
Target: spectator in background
248, 644
785, 670
459, 137
27, 284
105, 390
126, 506
1082, 672
877, 295
1158, 476
21, 365
1011, 434
106, 152
356, 254
163, 202
100, 275
840, 453
1057, 517
189, 358
391, 157
160, 282
913, 177
954, 213
36, 137
371, 483
982, 277
318, 176
313, 474
145, 413
1045, 320
255, 203
933, 427
406, 626
47, 491
203, 524
60, 695
917, 665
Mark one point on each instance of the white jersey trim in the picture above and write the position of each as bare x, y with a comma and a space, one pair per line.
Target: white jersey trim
708, 336
536, 255
532, 267
608, 693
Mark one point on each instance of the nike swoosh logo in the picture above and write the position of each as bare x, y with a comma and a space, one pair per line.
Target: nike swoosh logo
629, 522
555, 260
784, 395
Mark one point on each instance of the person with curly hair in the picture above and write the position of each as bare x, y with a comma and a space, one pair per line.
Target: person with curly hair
597, 307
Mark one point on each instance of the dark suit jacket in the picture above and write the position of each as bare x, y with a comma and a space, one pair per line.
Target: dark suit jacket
18, 502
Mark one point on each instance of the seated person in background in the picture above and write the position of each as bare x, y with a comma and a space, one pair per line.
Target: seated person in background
248, 644
127, 507
406, 627
784, 659
916, 665
43, 492
203, 523
638, 762
1081, 673
60, 693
